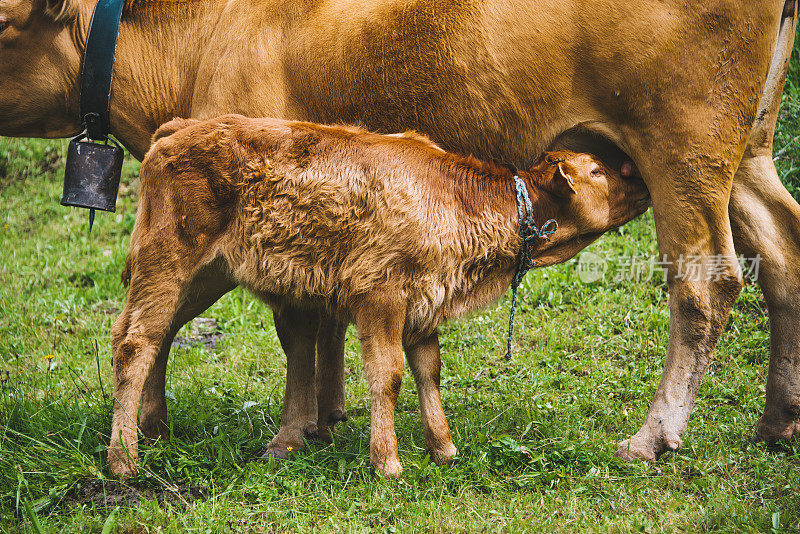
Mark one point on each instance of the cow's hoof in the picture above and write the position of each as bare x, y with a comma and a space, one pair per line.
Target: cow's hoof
629, 452
648, 450
772, 432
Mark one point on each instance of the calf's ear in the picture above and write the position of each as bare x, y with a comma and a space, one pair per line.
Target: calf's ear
562, 183
170, 127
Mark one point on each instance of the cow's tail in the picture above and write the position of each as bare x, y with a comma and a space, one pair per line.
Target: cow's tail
764, 126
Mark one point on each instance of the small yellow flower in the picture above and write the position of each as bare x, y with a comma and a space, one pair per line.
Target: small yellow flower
289, 448
49, 356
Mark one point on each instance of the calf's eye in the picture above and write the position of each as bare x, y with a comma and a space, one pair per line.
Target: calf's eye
3, 25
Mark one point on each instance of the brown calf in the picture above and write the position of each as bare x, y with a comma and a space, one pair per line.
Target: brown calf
388, 232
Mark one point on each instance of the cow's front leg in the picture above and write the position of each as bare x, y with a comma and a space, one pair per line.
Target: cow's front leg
704, 279
380, 328
297, 332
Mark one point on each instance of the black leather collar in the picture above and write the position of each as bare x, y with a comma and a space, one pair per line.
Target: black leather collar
98, 68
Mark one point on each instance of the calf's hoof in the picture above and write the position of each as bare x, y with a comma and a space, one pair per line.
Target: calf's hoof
290, 441
647, 448
390, 468
278, 451
119, 464
444, 454
324, 431
311, 431
324, 434
158, 432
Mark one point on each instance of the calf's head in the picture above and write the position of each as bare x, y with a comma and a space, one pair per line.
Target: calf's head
586, 198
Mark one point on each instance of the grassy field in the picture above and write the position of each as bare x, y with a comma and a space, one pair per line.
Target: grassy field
536, 435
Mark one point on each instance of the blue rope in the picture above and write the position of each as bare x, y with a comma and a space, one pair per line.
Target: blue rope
528, 231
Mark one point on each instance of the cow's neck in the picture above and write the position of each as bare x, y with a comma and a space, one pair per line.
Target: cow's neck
159, 48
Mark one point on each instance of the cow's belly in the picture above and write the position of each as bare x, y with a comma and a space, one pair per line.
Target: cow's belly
500, 82
429, 67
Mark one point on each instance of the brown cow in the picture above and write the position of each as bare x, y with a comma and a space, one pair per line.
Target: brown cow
689, 91
388, 232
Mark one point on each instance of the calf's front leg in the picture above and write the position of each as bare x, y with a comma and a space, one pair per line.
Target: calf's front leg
207, 287
380, 328
137, 338
425, 362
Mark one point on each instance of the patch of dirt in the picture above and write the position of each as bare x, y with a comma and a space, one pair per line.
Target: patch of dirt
203, 332
106, 307
51, 160
113, 493
81, 280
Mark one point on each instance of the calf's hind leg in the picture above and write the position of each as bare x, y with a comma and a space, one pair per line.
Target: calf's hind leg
297, 332
425, 362
206, 288
330, 375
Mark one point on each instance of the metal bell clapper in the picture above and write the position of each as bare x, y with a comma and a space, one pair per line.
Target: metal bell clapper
92, 174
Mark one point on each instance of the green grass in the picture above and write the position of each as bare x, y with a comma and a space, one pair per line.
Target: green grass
536, 435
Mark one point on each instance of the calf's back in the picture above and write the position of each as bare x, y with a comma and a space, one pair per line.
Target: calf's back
322, 215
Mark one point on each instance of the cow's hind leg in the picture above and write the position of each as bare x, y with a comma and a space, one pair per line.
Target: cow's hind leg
690, 187
297, 332
766, 222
